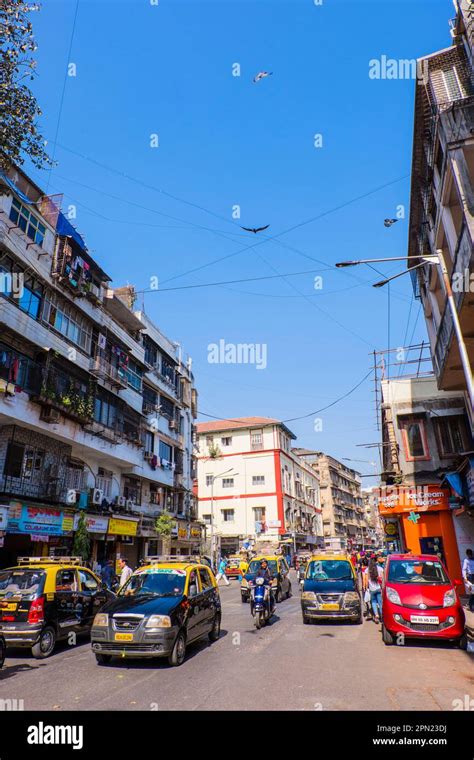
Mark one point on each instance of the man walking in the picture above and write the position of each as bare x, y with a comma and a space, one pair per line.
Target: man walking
125, 573
221, 571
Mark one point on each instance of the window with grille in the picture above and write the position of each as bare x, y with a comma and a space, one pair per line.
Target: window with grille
227, 482
256, 439
451, 435
258, 480
27, 222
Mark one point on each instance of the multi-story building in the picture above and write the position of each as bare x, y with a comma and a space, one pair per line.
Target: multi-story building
76, 380
252, 485
442, 198
341, 500
370, 498
425, 433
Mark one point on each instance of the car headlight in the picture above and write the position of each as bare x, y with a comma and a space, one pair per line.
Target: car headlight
351, 596
101, 619
309, 596
158, 621
449, 598
393, 596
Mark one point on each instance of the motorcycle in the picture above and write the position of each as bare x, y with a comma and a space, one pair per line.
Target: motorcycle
262, 604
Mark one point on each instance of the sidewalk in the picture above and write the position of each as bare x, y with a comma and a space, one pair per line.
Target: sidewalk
469, 617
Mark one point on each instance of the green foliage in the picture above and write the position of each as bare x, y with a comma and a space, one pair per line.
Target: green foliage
82, 542
164, 524
19, 110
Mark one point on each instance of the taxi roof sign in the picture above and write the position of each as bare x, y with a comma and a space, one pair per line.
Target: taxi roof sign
170, 558
49, 560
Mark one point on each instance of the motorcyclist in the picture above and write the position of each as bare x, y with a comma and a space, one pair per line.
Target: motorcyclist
264, 572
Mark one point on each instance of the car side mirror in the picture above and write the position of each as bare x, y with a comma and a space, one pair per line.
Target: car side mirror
458, 582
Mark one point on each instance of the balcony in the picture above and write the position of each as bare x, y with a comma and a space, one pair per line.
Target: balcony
104, 370
73, 397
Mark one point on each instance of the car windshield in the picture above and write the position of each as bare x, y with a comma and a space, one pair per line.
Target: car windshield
255, 566
27, 582
417, 571
329, 570
156, 582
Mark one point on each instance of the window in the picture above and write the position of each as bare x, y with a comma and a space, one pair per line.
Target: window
259, 514
151, 351
258, 480
206, 582
227, 441
66, 320
27, 222
167, 407
14, 282
14, 460
256, 440
452, 84
104, 482
414, 440
165, 451
207, 519
66, 580
209, 480
451, 435
88, 582
149, 441
227, 482
134, 375
228, 515
105, 410
209, 440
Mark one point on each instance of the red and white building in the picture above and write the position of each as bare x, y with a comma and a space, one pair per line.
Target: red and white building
252, 485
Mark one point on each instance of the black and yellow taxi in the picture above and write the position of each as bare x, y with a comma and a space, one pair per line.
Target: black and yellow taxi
279, 570
330, 589
166, 604
45, 599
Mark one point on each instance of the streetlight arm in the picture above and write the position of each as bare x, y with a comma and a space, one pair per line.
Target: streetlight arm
426, 259
381, 283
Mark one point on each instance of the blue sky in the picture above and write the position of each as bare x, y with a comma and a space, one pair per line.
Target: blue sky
223, 140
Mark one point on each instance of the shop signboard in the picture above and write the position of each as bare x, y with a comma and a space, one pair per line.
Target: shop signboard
94, 523
118, 526
34, 519
399, 499
195, 532
3, 518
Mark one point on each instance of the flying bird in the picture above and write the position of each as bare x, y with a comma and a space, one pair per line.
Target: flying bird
262, 75
255, 229
389, 222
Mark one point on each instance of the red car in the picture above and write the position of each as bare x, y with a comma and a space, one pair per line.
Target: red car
420, 601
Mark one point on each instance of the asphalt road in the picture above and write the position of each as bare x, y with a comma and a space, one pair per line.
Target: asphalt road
285, 666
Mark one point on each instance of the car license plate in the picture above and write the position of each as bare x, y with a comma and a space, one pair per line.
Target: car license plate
331, 606
424, 619
6, 607
124, 637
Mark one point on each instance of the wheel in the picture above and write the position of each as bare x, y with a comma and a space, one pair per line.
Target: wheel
462, 642
45, 644
178, 653
244, 599
258, 620
358, 620
278, 595
3, 651
387, 637
103, 659
306, 620
290, 593
215, 631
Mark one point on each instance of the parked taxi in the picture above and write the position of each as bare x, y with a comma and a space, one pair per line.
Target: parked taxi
167, 603
44, 599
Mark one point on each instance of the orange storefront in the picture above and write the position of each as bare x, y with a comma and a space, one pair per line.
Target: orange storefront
424, 520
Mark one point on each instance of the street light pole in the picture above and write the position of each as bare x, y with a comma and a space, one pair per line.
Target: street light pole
440, 261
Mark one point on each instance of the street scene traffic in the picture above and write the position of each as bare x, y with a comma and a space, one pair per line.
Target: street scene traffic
236, 351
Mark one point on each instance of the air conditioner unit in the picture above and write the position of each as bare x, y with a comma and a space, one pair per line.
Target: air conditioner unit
173, 425
71, 496
148, 455
120, 501
130, 504
48, 414
96, 496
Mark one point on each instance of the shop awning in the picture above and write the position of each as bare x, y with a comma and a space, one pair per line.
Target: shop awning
454, 480
13, 187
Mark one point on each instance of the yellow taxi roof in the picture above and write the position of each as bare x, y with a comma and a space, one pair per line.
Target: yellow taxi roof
267, 557
170, 565
330, 555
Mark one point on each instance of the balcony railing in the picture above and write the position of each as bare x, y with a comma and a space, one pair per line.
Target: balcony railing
104, 370
71, 396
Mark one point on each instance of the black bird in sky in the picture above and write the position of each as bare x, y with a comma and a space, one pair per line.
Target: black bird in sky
262, 75
255, 229
389, 222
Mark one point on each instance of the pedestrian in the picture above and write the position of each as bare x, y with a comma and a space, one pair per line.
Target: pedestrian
243, 567
107, 573
221, 571
374, 585
468, 575
125, 573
